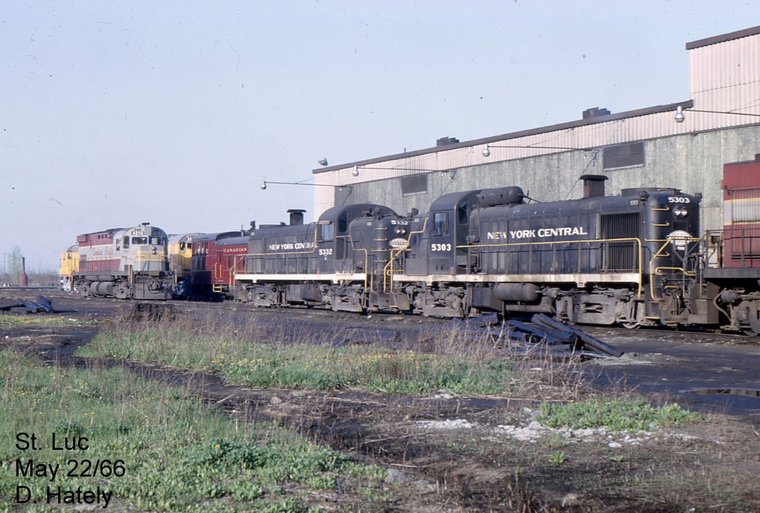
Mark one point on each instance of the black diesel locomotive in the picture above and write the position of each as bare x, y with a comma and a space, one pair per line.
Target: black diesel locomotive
338, 261
631, 259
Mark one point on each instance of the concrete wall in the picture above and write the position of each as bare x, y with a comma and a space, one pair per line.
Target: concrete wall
692, 162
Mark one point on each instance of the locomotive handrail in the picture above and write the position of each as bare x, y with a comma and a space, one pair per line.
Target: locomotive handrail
251, 256
388, 270
233, 270
313, 250
639, 268
366, 265
656, 270
714, 245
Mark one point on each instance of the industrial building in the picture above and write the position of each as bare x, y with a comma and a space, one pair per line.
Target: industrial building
683, 144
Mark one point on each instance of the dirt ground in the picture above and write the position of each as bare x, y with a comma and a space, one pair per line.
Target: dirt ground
450, 453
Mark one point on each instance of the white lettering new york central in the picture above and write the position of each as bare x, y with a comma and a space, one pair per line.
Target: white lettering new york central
564, 231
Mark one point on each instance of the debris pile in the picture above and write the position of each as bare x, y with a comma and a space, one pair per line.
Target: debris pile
40, 304
553, 332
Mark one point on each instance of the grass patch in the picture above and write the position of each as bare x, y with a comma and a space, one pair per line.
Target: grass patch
176, 453
614, 414
41, 321
309, 366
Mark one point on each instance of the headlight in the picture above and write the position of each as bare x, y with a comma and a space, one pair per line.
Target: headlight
680, 212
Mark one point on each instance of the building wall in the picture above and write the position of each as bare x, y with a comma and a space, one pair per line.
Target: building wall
724, 76
691, 162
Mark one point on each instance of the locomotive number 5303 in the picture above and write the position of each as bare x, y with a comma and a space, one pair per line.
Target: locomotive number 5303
440, 247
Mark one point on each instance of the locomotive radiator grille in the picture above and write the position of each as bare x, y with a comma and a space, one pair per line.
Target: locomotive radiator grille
620, 256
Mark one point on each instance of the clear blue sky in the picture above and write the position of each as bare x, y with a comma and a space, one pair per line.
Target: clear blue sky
118, 112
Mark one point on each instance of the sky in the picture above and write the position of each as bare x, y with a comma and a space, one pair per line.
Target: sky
121, 112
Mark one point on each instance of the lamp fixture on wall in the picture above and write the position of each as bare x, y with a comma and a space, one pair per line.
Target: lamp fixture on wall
680, 116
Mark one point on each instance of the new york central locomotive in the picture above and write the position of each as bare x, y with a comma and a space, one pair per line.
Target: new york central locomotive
637, 258
630, 259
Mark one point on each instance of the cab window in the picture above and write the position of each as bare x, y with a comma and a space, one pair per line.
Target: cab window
440, 223
327, 231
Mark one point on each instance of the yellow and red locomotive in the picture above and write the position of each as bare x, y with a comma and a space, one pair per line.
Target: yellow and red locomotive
124, 263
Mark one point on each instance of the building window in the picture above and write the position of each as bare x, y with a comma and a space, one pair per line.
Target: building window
414, 184
624, 155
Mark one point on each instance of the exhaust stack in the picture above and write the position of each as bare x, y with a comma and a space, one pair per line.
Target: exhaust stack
296, 216
593, 186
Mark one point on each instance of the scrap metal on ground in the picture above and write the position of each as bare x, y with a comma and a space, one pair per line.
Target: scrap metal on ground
40, 304
553, 332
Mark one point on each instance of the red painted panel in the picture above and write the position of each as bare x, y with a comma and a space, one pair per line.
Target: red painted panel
740, 175
741, 214
95, 239
221, 261
99, 266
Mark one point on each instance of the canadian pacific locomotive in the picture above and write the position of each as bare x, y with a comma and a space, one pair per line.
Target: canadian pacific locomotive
217, 257
124, 263
732, 255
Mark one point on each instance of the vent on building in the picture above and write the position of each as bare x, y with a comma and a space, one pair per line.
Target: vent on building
595, 112
414, 184
445, 141
623, 155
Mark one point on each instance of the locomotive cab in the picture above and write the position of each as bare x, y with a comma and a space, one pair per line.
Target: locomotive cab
336, 251
437, 247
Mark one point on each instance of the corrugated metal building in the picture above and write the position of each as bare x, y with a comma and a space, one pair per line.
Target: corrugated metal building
641, 148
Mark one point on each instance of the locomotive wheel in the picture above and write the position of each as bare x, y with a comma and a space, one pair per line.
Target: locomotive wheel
631, 325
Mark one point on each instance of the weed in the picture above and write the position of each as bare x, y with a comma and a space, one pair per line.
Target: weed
557, 457
307, 365
41, 321
614, 414
174, 452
